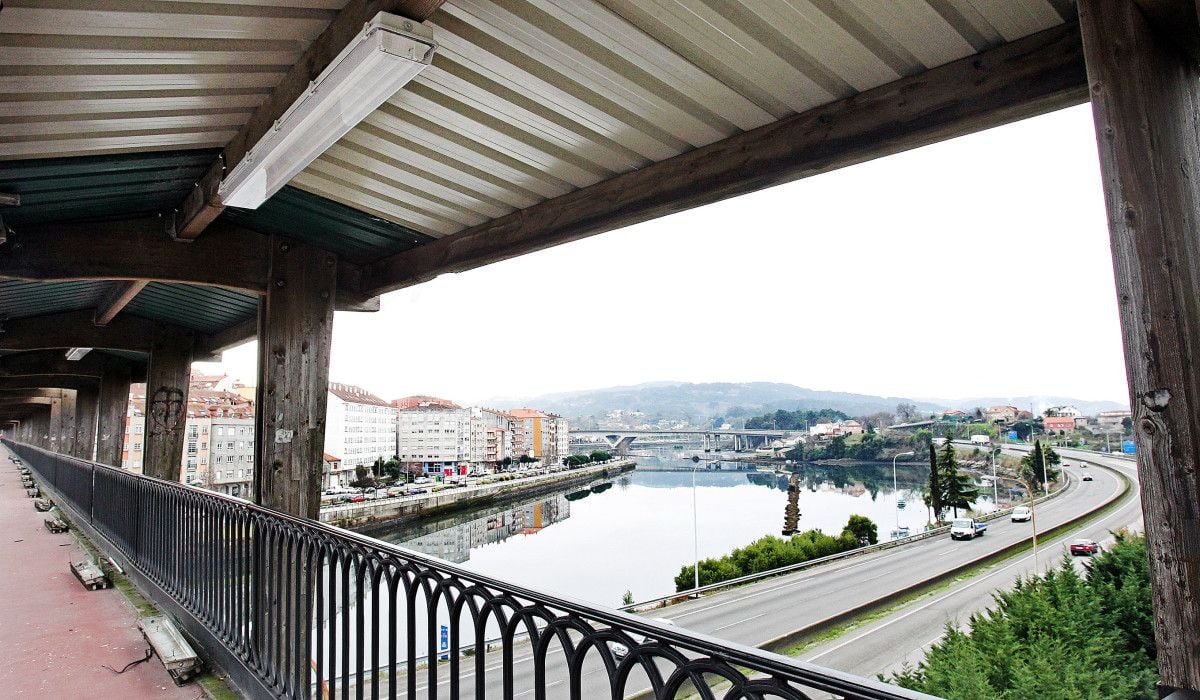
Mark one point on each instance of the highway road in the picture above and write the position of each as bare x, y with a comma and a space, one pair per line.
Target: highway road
902, 637
764, 612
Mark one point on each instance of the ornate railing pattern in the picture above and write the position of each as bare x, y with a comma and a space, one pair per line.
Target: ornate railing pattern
314, 611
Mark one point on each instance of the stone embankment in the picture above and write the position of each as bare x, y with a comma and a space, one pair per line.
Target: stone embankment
448, 499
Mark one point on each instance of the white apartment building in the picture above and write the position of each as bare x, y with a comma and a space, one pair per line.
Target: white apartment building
360, 427
432, 437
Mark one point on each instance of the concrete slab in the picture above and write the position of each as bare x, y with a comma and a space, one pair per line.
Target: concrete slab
55, 636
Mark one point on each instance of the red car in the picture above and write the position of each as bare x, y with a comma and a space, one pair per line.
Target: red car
359, 498
1084, 548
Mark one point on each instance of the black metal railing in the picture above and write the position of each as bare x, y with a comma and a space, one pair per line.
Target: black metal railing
309, 610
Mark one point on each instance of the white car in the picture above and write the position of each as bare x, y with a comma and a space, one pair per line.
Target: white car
1087, 476
620, 651
1022, 514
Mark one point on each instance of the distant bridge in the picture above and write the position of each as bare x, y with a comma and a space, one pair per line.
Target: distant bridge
741, 438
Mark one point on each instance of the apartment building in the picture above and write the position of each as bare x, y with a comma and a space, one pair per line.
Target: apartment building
543, 436
433, 435
218, 449
360, 427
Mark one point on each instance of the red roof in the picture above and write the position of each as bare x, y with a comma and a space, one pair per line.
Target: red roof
526, 413
331, 458
355, 394
423, 402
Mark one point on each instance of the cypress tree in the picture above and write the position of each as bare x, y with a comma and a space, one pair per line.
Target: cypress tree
933, 498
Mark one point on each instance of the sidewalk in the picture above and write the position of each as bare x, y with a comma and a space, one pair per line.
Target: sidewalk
55, 636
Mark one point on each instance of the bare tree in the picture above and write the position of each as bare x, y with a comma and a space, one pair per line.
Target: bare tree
906, 411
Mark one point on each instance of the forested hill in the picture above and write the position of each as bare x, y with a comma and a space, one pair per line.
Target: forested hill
687, 401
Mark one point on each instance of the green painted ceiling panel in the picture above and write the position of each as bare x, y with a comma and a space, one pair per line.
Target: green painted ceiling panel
350, 233
100, 187
204, 309
21, 299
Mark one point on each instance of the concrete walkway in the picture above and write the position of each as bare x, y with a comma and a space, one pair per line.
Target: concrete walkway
55, 636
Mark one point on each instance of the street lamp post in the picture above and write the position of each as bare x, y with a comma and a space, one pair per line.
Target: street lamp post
894, 489
695, 527
995, 484
1032, 515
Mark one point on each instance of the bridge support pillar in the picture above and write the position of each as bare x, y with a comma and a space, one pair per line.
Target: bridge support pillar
1144, 89
295, 328
85, 422
167, 381
111, 409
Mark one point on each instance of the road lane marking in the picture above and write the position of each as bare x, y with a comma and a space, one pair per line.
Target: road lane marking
732, 624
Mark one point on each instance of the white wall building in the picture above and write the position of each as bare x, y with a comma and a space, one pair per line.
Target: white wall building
359, 426
432, 437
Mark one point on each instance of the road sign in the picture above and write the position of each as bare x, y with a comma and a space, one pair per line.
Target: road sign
444, 641
1012, 435
1129, 447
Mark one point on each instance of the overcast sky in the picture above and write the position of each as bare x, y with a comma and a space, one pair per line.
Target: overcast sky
978, 266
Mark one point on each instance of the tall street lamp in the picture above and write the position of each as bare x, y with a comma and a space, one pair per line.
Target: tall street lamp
894, 489
695, 524
1032, 515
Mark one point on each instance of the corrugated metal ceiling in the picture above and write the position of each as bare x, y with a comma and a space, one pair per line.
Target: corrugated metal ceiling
526, 100
109, 76
204, 309
530, 100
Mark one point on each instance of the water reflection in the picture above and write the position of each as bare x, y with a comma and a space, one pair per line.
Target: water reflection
595, 542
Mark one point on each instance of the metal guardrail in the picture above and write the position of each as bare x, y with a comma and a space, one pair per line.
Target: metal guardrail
792, 568
309, 610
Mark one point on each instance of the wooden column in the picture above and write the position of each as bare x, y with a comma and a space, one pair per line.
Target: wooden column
110, 419
167, 381
52, 437
294, 334
1145, 100
86, 400
68, 414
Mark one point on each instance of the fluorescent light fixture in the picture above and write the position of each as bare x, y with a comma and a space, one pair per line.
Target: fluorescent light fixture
9, 200
381, 59
76, 354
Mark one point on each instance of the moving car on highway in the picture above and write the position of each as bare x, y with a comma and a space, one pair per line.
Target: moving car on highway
1022, 514
1084, 548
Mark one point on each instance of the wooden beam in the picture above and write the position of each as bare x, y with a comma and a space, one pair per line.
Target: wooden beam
296, 329
86, 404
118, 297
1176, 21
136, 250
74, 329
1145, 96
231, 337
1037, 74
203, 204
54, 362
42, 381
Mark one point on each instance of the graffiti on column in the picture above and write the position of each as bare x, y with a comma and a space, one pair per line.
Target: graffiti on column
166, 409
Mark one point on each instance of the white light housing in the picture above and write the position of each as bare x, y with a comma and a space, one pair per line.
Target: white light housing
381, 59
76, 354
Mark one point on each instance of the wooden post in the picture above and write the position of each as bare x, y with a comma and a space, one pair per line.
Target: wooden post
68, 415
1145, 95
295, 329
54, 426
167, 381
110, 419
86, 400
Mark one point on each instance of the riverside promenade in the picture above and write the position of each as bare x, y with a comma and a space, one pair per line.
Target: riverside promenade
57, 637
487, 489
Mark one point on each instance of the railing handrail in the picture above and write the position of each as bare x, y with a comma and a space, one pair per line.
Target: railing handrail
735, 654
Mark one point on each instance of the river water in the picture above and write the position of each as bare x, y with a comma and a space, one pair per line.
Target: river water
634, 532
